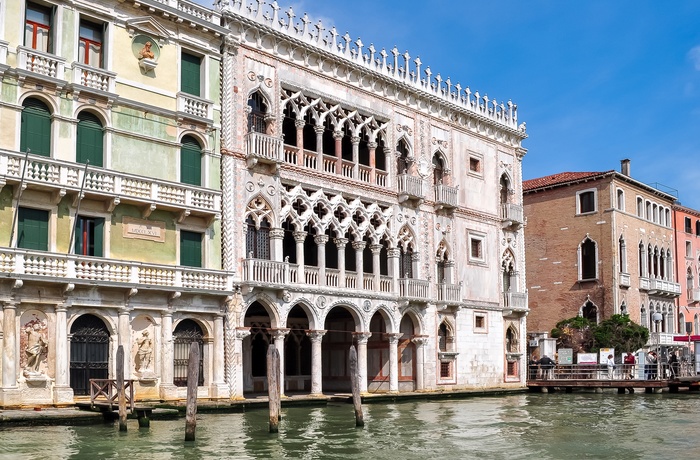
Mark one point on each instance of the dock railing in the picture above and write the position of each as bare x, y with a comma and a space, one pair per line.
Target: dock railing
600, 372
104, 391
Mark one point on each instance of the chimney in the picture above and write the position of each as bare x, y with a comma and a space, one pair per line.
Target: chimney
625, 167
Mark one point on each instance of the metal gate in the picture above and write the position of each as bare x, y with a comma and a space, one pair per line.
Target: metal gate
89, 353
185, 333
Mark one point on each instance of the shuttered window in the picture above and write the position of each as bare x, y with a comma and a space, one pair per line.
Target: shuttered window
190, 249
89, 236
35, 133
90, 145
33, 229
190, 74
190, 161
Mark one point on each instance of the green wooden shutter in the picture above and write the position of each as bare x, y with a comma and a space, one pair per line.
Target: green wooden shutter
190, 162
190, 74
98, 237
35, 133
33, 229
190, 249
90, 145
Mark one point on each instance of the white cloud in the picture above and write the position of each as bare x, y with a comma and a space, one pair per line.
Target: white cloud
694, 55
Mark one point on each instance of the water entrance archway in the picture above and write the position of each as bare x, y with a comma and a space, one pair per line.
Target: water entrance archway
89, 353
340, 324
257, 318
297, 351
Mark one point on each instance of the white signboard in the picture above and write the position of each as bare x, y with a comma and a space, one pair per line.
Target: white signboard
604, 353
586, 358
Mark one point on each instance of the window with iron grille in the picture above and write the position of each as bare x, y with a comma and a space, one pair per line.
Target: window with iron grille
445, 370
256, 118
185, 333
406, 263
512, 369
258, 240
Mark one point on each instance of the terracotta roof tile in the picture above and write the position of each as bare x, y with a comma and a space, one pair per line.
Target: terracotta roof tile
559, 178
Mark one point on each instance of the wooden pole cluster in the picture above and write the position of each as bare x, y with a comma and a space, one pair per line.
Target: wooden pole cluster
192, 380
121, 396
355, 382
273, 387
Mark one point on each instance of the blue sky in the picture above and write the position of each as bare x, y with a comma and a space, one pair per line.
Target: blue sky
595, 81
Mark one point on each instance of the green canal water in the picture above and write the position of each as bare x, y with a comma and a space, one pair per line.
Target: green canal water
522, 426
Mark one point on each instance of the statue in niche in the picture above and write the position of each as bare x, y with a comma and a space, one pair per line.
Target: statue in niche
37, 347
146, 52
144, 355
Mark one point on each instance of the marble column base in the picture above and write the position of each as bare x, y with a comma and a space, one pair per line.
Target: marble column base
219, 391
10, 397
62, 395
168, 392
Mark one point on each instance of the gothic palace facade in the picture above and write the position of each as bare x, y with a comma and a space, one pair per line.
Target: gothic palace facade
240, 177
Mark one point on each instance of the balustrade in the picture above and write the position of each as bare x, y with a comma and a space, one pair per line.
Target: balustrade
290, 154
41, 63
380, 177
625, 279
329, 163
264, 148
693, 293
347, 169
512, 212
94, 78
310, 159
449, 293
446, 195
516, 300
193, 106
365, 173
412, 288
410, 186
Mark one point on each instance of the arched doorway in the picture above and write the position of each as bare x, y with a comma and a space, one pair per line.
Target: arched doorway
186, 332
297, 352
407, 354
89, 353
340, 325
255, 348
378, 355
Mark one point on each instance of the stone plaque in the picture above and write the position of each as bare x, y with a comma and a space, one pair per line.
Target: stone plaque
143, 229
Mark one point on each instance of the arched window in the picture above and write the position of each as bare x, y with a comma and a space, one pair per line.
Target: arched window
505, 187
588, 262
258, 239
441, 267
289, 127
186, 332
642, 259
690, 283
90, 140
190, 161
590, 312
622, 248
35, 132
258, 110
310, 136
511, 340
402, 162
438, 169
640, 207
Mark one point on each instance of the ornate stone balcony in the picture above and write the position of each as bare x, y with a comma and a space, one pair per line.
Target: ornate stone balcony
512, 215
515, 300
448, 293
194, 108
414, 290
40, 65
693, 294
3, 57
625, 280
262, 148
82, 270
660, 287
93, 80
410, 188
61, 177
446, 196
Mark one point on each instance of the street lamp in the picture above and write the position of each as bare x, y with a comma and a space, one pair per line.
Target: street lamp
656, 317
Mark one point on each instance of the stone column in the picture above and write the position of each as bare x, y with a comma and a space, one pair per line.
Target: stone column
278, 335
376, 271
316, 363
362, 338
241, 333
276, 239
299, 238
393, 255
359, 247
393, 362
63, 393
420, 342
124, 339
415, 264
449, 272
167, 388
319, 147
9, 351
299, 125
218, 384
338, 137
372, 162
321, 241
356, 156
340, 243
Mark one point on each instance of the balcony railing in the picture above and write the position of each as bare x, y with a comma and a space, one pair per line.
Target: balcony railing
410, 187
40, 63
446, 196
512, 213
95, 270
189, 106
625, 280
664, 287
3, 52
92, 78
515, 300
694, 294
263, 148
43, 172
414, 289
448, 293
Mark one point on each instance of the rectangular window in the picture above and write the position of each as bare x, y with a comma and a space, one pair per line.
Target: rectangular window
33, 229
480, 322
90, 44
688, 225
37, 27
476, 248
586, 201
190, 74
512, 369
688, 249
445, 370
89, 236
474, 165
620, 200
190, 248
697, 228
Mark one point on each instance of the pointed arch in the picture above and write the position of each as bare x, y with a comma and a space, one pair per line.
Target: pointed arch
259, 108
441, 167
587, 259
590, 311
404, 154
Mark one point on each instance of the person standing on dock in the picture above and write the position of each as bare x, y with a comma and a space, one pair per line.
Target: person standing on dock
547, 365
650, 370
629, 366
611, 366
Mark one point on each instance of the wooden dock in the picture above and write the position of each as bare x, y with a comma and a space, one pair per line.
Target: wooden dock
622, 385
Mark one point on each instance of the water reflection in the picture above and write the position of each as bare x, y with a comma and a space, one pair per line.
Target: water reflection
511, 427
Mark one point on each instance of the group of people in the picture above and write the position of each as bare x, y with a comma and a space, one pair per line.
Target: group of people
545, 366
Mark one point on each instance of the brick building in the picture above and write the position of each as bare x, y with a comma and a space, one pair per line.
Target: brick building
599, 243
687, 225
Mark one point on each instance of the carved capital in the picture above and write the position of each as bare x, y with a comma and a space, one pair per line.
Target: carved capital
393, 252
394, 338
278, 333
316, 335
321, 240
362, 337
359, 245
299, 124
277, 234
242, 333
376, 249
340, 243
300, 237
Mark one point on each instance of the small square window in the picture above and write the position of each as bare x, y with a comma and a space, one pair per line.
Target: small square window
480, 322
477, 249
445, 370
474, 165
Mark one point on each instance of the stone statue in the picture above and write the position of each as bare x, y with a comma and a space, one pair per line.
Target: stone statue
36, 348
144, 355
146, 52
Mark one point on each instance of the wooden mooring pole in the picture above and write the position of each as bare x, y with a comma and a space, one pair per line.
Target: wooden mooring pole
192, 380
355, 382
273, 387
121, 395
